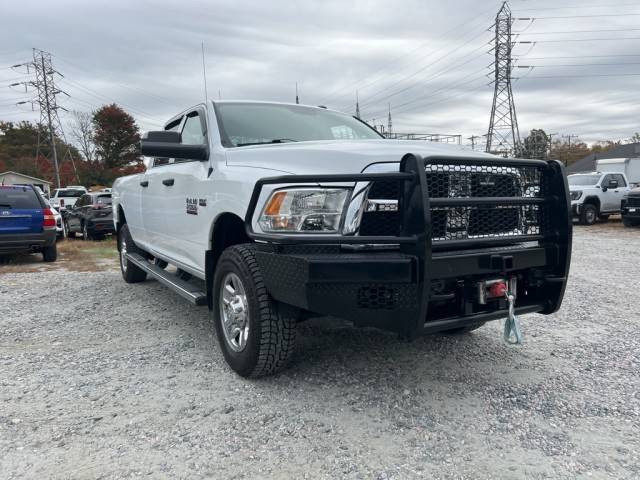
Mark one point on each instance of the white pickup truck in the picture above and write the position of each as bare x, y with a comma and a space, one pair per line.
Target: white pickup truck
273, 213
597, 195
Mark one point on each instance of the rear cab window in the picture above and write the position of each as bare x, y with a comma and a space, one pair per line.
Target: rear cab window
103, 199
69, 193
19, 198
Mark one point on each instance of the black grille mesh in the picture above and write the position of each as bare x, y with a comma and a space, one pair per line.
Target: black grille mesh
633, 201
477, 221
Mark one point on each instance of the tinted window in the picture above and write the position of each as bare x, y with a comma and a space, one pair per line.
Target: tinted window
69, 193
192, 133
19, 198
620, 179
255, 123
103, 200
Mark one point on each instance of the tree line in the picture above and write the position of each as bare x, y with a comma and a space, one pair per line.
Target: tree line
102, 146
539, 144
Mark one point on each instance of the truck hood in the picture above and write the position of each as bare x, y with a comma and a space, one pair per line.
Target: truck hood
338, 156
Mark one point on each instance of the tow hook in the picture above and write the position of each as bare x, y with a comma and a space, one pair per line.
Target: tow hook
493, 289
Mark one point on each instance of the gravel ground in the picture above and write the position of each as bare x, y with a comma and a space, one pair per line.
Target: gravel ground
99, 379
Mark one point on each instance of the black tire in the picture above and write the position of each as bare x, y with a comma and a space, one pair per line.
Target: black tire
270, 340
130, 272
85, 232
68, 233
50, 253
463, 330
628, 222
589, 214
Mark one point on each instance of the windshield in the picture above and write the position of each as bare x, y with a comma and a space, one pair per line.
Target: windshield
19, 198
103, 200
69, 193
583, 179
261, 123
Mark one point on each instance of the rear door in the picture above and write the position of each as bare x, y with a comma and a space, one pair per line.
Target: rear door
21, 211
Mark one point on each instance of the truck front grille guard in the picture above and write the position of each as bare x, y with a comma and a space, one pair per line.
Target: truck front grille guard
418, 216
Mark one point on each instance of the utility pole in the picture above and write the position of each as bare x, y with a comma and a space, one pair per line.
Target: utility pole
357, 106
503, 137
47, 103
569, 138
297, 98
473, 141
389, 124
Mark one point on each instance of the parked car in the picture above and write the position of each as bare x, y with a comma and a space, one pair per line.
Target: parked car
27, 224
91, 216
596, 195
281, 212
64, 198
631, 208
60, 230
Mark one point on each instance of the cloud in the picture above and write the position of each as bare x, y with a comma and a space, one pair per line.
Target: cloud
429, 62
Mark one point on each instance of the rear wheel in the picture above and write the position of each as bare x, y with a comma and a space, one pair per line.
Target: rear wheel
130, 271
256, 338
85, 232
589, 214
50, 254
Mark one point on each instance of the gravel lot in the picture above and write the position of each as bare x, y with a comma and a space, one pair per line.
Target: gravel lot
99, 379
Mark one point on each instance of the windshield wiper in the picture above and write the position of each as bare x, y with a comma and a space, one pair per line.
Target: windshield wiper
275, 140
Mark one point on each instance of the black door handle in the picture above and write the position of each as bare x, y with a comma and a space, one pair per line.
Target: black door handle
145, 183
167, 181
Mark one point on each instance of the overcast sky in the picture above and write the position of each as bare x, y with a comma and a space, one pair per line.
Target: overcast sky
427, 59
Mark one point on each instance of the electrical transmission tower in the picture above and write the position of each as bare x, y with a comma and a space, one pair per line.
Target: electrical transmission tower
503, 137
48, 106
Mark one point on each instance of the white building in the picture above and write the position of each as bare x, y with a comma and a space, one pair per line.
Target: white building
15, 178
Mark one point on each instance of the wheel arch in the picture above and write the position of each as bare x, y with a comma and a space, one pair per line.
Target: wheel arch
593, 200
226, 230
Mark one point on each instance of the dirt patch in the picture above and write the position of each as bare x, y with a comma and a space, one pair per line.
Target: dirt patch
74, 255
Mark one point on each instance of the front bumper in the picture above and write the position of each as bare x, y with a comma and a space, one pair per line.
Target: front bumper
382, 289
33, 242
418, 285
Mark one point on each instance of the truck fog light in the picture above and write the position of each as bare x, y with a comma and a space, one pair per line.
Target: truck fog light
304, 210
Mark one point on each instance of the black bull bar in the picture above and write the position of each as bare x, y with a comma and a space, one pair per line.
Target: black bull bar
313, 271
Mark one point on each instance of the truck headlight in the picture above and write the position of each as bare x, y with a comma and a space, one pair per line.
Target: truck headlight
303, 210
576, 194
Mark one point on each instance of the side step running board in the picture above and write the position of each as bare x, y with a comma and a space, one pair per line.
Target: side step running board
185, 289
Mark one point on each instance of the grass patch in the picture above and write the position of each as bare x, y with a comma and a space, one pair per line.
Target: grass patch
74, 255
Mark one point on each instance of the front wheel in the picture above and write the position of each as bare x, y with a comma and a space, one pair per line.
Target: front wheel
589, 214
255, 337
628, 222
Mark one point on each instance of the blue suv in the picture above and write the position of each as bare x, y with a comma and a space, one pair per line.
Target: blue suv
26, 223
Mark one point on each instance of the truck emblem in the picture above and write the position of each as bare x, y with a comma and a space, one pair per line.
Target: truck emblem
192, 206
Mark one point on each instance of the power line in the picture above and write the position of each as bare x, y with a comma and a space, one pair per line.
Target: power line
581, 56
586, 75
582, 16
579, 40
430, 78
578, 31
388, 66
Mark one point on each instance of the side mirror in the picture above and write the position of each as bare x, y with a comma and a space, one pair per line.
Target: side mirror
167, 144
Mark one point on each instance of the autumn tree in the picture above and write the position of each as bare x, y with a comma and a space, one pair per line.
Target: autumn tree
81, 128
116, 137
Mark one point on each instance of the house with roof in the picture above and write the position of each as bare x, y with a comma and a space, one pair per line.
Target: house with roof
15, 178
588, 163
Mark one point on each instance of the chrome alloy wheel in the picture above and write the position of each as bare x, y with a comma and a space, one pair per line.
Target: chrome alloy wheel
234, 312
123, 255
